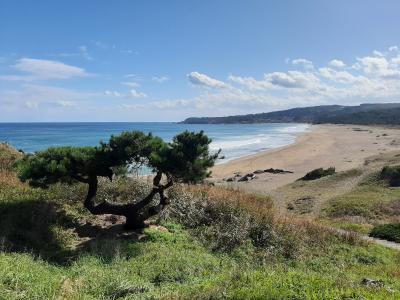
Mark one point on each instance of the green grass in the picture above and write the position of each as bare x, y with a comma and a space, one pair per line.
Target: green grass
172, 265
372, 200
362, 228
318, 173
390, 232
219, 244
178, 264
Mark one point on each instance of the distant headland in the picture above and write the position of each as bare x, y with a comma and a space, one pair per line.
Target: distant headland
364, 114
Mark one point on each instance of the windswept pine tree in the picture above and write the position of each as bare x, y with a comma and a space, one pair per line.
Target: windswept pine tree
186, 159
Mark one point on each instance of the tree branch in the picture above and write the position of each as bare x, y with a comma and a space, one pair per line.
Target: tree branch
103, 207
133, 211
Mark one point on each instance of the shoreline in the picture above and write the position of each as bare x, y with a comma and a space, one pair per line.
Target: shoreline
341, 146
296, 135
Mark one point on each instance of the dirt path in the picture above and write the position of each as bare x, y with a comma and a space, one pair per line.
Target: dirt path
384, 243
364, 237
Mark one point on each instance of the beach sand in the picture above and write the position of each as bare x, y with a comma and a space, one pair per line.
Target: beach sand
341, 146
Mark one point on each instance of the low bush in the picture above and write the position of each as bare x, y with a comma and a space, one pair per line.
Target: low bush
390, 232
227, 219
318, 173
391, 174
224, 219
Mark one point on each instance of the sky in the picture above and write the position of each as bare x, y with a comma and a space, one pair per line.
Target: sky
168, 60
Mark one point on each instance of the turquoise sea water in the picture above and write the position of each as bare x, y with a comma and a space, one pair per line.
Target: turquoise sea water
235, 140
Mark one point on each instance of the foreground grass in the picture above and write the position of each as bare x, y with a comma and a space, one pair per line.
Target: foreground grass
218, 244
171, 265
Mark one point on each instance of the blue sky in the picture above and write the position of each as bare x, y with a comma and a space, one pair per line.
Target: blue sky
168, 60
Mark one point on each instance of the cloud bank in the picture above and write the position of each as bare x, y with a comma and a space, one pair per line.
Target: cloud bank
302, 82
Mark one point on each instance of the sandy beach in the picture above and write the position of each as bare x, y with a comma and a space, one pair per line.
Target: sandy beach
341, 146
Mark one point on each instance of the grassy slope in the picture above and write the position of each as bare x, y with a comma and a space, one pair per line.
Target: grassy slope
353, 200
48, 253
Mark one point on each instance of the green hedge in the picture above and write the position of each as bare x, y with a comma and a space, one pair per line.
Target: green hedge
318, 173
390, 232
392, 174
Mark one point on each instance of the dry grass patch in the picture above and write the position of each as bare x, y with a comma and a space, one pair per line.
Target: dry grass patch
227, 219
8, 156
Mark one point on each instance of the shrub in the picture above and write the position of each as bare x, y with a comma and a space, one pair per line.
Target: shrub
318, 173
224, 219
390, 232
391, 174
227, 219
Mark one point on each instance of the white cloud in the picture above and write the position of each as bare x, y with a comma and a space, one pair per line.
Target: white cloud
113, 93
339, 76
31, 104
134, 77
393, 48
251, 83
64, 103
41, 69
84, 52
378, 66
128, 51
378, 53
171, 104
132, 106
33, 96
370, 78
131, 94
197, 78
396, 60
307, 64
135, 94
292, 79
100, 44
337, 63
132, 84
160, 79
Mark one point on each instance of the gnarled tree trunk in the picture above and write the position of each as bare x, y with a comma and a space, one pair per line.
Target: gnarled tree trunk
135, 213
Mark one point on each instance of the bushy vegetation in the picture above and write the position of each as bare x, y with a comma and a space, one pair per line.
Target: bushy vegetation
390, 232
209, 243
226, 219
392, 175
318, 173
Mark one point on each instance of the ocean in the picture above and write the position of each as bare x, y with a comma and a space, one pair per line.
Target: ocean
235, 140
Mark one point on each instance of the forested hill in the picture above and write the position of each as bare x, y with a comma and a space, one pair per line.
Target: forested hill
364, 114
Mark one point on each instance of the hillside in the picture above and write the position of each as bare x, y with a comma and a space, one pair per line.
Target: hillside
211, 243
364, 114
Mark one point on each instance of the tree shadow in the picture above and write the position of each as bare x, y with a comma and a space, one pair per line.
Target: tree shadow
41, 228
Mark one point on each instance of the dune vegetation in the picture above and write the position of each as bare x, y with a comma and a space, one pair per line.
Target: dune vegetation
209, 243
355, 200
